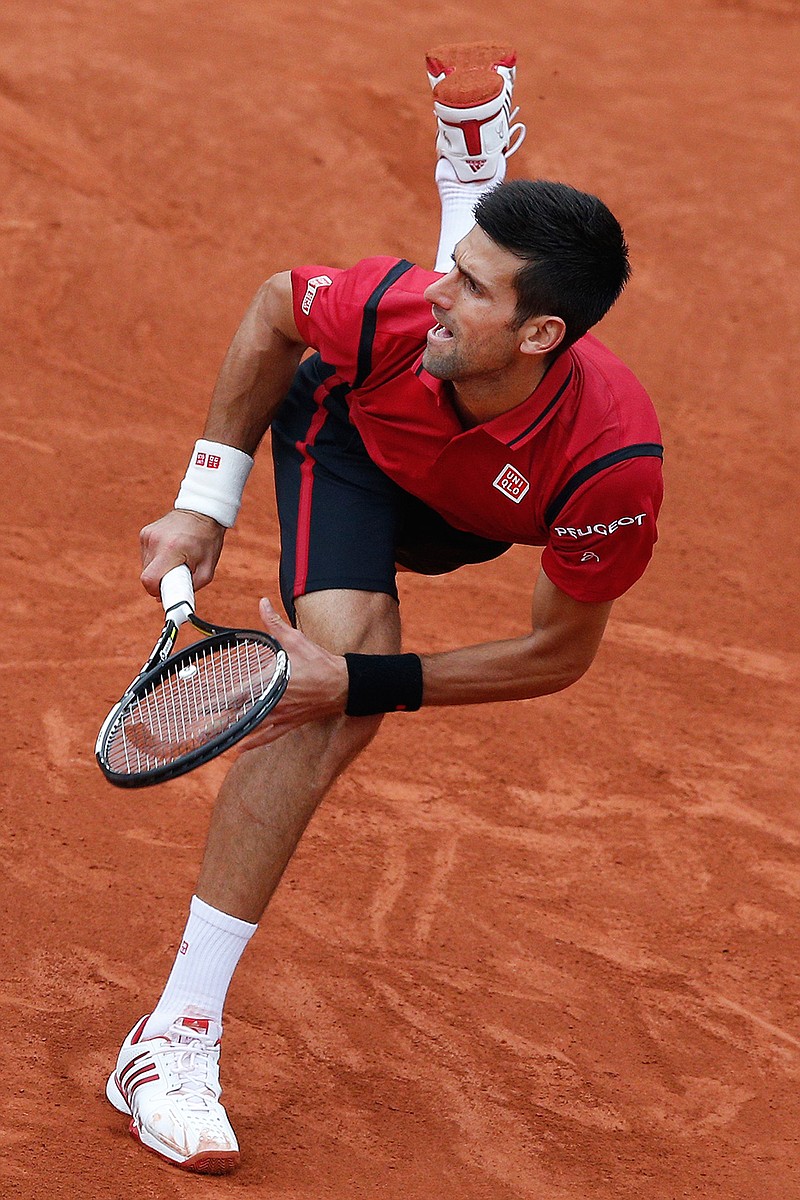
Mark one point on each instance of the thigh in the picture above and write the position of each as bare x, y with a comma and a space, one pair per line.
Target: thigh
345, 621
337, 509
350, 621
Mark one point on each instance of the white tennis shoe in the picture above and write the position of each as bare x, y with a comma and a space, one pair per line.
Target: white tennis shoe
473, 85
169, 1086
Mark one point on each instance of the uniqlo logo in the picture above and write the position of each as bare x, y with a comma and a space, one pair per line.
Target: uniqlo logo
213, 462
210, 461
200, 461
511, 483
184, 947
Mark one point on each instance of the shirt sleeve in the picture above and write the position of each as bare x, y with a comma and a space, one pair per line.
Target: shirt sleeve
602, 540
329, 309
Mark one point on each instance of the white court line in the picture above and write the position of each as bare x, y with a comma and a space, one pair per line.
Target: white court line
768, 1026
783, 668
26, 443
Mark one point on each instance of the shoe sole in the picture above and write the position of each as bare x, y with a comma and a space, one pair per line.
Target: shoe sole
465, 56
208, 1162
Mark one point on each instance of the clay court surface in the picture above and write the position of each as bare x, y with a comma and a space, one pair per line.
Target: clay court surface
544, 951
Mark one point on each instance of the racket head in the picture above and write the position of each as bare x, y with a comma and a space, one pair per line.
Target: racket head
185, 711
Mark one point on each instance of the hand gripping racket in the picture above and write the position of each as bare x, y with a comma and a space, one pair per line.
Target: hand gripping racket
184, 709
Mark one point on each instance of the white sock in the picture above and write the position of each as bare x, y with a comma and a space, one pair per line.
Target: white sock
458, 202
209, 953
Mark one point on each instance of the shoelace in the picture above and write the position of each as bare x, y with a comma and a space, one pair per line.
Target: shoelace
189, 1066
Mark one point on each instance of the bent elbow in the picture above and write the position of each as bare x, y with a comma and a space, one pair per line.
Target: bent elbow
571, 670
274, 303
567, 679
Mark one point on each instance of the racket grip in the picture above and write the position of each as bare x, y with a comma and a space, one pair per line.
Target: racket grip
177, 594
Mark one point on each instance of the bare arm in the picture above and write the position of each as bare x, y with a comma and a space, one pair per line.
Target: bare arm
258, 368
254, 378
559, 650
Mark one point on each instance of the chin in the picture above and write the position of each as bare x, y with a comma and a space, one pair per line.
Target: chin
438, 366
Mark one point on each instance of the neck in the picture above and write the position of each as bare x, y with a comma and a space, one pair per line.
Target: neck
480, 399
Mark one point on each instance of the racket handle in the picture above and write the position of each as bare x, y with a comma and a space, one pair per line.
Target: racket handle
177, 594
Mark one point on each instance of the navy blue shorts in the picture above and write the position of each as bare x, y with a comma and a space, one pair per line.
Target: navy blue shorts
344, 523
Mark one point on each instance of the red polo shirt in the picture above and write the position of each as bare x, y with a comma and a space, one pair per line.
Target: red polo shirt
576, 467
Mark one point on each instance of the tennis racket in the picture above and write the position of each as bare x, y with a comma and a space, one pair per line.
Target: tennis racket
184, 709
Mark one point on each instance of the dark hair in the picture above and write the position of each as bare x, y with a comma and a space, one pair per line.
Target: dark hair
576, 251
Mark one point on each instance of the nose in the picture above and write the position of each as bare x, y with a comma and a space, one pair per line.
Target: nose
438, 292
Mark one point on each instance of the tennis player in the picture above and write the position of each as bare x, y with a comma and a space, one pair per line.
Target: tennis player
443, 416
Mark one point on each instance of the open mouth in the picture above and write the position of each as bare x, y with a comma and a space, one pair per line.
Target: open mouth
439, 334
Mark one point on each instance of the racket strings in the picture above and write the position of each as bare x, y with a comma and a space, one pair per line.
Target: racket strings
198, 698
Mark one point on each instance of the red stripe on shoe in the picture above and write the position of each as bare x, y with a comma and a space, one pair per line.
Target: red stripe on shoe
472, 132
147, 1079
133, 1065
137, 1033
129, 1085
303, 545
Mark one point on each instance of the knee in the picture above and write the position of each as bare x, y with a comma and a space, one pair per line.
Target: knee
345, 738
316, 754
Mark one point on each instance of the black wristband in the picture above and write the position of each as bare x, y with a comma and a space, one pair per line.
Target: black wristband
382, 683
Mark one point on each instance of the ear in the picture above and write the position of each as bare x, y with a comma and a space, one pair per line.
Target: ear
541, 335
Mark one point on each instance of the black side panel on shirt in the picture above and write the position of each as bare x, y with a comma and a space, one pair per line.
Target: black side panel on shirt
370, 322
640, 450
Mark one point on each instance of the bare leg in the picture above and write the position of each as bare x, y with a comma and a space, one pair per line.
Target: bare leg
271, 793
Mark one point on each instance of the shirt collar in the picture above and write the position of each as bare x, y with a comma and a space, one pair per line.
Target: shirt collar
514, 427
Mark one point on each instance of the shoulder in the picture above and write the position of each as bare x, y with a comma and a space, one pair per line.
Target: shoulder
389, 290
371, 312
603, 508
607, 387
368, 278
603, 530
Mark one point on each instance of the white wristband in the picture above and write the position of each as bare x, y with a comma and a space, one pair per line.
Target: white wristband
214, 481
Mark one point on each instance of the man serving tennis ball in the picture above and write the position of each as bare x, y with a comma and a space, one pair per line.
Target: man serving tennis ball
444, 416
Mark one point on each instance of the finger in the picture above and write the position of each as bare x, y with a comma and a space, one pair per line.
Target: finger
155, 571
146, 576
273, 622
202, 575
151, 578
150, 588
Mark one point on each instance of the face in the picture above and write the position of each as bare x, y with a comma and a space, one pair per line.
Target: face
473, 307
